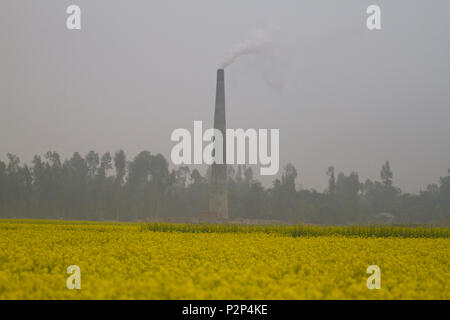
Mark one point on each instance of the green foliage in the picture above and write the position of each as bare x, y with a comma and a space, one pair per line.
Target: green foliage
103, 187
301, 230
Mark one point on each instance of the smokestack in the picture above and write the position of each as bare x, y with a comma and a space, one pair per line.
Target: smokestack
218, 202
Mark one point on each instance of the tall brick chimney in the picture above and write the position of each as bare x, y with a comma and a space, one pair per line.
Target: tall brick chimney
218, 202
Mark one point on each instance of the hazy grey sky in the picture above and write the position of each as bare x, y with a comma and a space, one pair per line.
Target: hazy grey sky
340, 94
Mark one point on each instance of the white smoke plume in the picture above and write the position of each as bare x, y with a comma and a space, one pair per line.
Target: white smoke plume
260, 41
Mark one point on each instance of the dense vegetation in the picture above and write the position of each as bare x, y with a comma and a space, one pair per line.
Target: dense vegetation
303, 230
110, 187
117, 261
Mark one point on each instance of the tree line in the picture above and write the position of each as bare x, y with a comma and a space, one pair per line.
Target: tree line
111, 187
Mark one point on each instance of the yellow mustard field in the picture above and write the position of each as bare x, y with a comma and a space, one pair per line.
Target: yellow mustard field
127, 261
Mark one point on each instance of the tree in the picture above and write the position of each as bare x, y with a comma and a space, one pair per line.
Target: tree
92, 162
17, 191
76, 186
105, 165
288, 178
196, 177
386, 175
159, 170
120, 196
120, 163
13, 164
248, 174
445, 184
444, 189
139, 170
348, 186
181, 176
331, 181
81, 188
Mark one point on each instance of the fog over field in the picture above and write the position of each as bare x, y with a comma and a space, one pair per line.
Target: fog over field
340, 94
